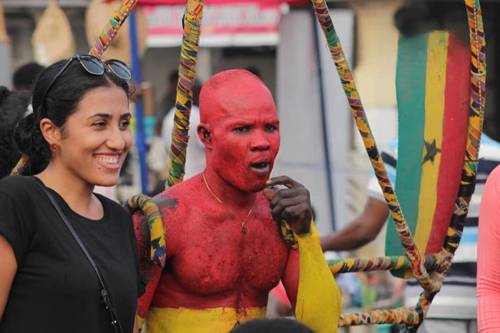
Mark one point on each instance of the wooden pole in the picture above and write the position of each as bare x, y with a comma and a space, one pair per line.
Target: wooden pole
5, 56
4, 37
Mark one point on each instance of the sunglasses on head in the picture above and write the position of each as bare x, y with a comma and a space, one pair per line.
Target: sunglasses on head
94, 66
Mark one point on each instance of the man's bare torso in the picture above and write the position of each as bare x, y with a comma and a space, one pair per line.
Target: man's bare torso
217, 257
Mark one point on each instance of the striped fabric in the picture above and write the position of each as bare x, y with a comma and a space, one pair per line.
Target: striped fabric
457, 298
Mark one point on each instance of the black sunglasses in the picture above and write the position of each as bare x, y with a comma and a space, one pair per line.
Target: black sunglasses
94, 66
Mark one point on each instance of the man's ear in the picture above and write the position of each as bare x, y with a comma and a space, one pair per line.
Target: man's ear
205, 135
51, 133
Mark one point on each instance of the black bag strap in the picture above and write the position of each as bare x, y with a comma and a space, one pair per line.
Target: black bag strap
115, 323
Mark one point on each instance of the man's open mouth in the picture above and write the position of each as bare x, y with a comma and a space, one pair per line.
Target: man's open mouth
261, 168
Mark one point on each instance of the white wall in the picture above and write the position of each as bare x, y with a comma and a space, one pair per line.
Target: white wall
5, 65
302, 155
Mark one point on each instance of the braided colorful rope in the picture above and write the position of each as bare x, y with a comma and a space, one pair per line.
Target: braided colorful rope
350, 265
439, 263
287, 234
21, 164
100, 45
357, 110
187, 73
111, 29
180, 137
398, 316
152, 216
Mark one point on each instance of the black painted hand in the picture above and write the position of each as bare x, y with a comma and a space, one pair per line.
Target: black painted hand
290, 202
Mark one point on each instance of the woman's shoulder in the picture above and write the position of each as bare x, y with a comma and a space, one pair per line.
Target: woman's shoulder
114, 208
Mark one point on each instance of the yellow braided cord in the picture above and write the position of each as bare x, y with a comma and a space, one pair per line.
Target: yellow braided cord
184, 99
151, 215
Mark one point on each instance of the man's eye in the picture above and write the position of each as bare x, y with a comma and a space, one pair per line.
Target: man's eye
124, 124
241, 129
270, 128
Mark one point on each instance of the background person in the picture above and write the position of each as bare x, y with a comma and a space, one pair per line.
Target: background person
13, 105
488, 257
25, 76
168, 100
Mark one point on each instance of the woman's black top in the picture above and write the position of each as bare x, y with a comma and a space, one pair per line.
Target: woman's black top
55, 288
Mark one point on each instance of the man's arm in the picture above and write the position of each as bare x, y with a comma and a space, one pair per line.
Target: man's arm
362, 230
311, 286
308, 281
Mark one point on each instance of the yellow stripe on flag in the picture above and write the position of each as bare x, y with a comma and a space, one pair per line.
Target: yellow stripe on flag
437, 53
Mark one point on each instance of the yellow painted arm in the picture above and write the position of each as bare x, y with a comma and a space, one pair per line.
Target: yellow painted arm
318, 298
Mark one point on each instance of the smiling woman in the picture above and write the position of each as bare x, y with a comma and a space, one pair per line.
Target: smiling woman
77, 137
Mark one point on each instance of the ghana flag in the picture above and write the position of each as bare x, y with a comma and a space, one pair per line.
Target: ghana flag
433, 79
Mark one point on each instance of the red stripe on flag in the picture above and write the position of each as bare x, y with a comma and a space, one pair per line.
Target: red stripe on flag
454, 137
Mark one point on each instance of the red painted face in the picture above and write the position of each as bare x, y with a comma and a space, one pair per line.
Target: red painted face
239, 112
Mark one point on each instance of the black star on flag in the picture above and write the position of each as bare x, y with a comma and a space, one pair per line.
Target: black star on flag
431, 151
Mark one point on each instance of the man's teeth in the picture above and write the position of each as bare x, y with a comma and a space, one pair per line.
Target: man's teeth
108, 159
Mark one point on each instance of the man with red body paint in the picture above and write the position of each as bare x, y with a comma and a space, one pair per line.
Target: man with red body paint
224, 248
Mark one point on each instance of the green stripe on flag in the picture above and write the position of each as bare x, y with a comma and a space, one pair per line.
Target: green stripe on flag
410, 90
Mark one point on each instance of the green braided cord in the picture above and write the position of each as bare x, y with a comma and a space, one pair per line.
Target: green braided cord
396, 316
422, 307
151, 215
187, 73
350, 265
101, 44
346, 78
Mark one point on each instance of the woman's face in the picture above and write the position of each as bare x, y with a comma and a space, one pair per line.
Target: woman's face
96, 137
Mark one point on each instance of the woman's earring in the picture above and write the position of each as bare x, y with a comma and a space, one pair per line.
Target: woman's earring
53, 147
